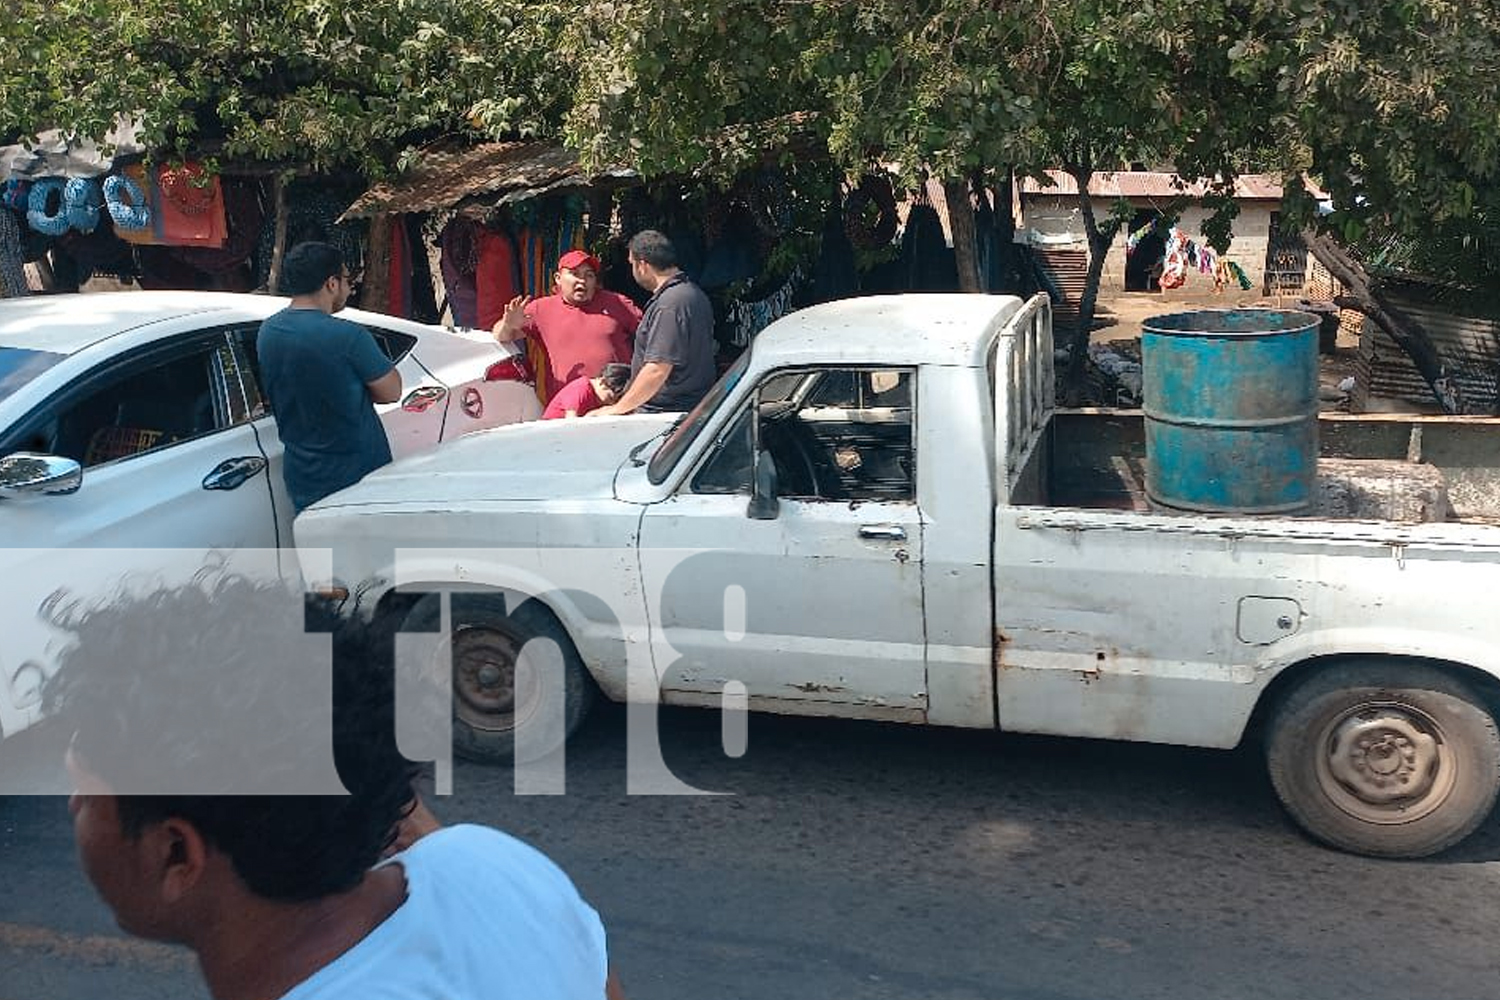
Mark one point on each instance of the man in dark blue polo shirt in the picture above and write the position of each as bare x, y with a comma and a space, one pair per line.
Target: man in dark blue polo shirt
673, 364
322, 376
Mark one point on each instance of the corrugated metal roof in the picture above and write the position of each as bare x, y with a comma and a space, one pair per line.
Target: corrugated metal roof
445, 179
1068, 270
1151, 184
1469, 346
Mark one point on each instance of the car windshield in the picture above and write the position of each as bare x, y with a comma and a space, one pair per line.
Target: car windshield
688, 429
19, 366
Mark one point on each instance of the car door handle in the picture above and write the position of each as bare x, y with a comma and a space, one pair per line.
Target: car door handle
884, 532
232, 473
418, 400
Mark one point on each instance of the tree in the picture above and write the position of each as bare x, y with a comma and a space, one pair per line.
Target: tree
953, 87
944, 87
317, 83
1392, 106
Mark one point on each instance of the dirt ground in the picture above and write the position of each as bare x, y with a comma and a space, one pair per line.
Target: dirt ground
1120, 315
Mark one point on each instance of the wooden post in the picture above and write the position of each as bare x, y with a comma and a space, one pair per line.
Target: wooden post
375, 290
278, 245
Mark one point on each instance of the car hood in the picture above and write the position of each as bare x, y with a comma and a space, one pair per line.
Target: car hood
537, 460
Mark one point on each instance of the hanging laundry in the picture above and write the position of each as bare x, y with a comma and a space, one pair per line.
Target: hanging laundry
746, 319
1207, 259
1240, 276
1135, 238
1174, 263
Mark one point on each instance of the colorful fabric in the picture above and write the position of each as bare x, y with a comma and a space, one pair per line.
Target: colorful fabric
83, 202
1240, 276
537, 361
127, 202
187, 212
244, 215
189, 207
398, 272
746, 319
149, 235
1134, 239
459, 243
496, 279
39, 202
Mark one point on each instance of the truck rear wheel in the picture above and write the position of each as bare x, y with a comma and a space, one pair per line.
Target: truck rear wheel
501, 685
1385, 759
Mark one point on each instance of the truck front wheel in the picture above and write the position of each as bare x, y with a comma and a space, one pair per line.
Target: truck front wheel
506, 690
1385, 759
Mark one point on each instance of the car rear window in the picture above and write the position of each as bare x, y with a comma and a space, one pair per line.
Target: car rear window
19, 366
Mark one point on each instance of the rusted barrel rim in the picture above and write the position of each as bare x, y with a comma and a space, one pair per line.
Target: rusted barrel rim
1231, 323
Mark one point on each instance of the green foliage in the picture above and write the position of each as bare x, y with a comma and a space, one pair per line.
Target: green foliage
1393, 106
1395, 102
668, 87
320, 83
1388, 104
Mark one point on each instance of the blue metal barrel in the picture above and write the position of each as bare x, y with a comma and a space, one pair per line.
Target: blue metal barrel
1231, 403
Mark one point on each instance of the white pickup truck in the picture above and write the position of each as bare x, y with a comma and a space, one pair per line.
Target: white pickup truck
876, 513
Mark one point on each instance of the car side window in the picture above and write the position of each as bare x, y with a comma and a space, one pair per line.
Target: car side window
393, 345
728, 467
144, 404
844, 434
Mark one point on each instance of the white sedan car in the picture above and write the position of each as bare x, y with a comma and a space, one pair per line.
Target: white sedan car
136, 420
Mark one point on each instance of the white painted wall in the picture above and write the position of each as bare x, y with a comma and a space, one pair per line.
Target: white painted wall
1057, 221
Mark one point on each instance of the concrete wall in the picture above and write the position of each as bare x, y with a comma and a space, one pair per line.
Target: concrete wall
1057, 221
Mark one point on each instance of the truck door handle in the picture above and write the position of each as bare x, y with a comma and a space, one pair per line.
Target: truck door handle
232, 473
418, 400
885, 532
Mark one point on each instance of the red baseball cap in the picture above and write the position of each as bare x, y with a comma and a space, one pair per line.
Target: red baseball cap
575, 258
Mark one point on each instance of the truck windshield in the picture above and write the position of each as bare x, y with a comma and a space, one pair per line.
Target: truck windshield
687, 431
19, 366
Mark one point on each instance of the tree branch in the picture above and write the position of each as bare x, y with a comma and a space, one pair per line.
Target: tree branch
1408, 334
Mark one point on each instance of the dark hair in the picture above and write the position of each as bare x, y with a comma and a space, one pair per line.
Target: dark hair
243, 653
307, 265
615, 375
654, 248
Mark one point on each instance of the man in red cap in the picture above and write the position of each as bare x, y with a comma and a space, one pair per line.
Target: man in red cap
582, 326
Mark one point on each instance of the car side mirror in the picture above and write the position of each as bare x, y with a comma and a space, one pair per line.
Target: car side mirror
764, 504
27, 473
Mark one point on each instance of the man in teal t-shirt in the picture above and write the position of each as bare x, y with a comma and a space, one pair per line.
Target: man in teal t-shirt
322, 375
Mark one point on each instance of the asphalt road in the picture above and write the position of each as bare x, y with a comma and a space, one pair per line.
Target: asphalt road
861, 860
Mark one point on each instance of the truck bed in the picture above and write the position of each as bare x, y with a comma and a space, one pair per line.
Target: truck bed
1398, 467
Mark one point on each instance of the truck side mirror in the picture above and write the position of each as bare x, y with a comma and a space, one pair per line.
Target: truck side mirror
28, 474
764, 505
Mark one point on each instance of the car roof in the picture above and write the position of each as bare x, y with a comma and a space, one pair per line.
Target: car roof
915, 328
66, 324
